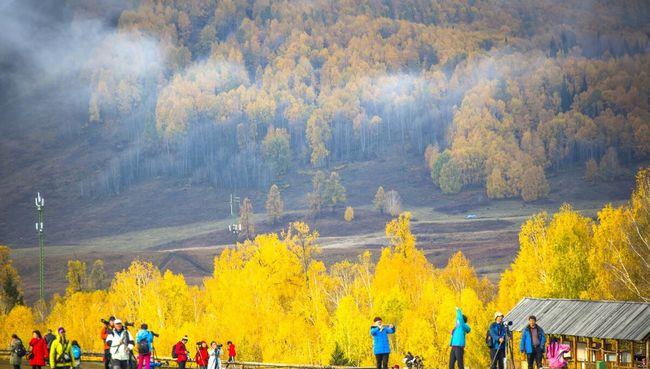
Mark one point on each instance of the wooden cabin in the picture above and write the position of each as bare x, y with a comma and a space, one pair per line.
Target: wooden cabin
610, 334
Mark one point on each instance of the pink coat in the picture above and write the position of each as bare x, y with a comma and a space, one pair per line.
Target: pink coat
554, 354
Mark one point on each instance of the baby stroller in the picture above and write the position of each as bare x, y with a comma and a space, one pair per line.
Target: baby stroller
555, 354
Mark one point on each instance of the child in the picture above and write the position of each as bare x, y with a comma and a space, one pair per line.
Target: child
76, 353
555, 354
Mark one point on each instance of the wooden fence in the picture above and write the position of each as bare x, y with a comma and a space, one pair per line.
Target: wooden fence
168, 362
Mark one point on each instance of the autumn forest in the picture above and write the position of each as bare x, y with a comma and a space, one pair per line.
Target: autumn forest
505, 134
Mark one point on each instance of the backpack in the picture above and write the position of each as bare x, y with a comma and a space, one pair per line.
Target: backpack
174, 354
76, 352
20, 349
143, 346
488, 339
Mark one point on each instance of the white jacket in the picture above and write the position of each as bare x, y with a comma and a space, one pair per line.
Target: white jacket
214, 361
121, 344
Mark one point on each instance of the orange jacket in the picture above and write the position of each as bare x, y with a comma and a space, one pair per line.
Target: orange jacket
103, 335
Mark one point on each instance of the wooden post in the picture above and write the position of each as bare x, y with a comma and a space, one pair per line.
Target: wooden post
647, 353
574, 351
618, 353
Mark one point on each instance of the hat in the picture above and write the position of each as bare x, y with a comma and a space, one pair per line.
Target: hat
497, 314
61, 330
117, 321
185, 338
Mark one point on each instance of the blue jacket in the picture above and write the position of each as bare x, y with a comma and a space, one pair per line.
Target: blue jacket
497, 331
145, 335
380, 343
460, 330
526, 344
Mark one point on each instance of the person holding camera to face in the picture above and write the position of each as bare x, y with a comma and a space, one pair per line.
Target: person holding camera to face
497, 334
381, 346
214, 361
121, 344
105, 332
202, 356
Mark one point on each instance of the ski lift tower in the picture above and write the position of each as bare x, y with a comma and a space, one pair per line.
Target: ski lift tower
234, 227
40, 207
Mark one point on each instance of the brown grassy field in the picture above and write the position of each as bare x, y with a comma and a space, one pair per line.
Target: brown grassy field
186, 226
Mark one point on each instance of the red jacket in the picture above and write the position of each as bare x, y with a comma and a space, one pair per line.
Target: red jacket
39, 354
231, 350
202, 356
181, 352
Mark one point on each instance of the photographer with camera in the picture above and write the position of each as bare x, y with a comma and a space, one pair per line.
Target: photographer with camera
215, 351
144, 339
121, 344
107, 328
61, 352
202, 356
380, 344
497, 341
180, 353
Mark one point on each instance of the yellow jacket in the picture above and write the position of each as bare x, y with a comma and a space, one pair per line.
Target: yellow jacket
61, 353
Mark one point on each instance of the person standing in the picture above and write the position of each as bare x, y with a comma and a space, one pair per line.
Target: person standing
121, 344
180, 349
457, 343
61, 352
17, 351
38, 350
532, 342
213, 353
232, 352
105, 332
380, 344
202, 356
498, 335
49, 338
144, 338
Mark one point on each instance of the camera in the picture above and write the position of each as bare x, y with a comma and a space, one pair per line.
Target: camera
106, 322
154, 334
219, 345
129, 324
508, 323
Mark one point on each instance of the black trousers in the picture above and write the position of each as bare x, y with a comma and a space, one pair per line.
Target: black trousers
456, 355
382, 361
497, 358
535, 357
16, 366
107, 359
119, 364
181, 364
